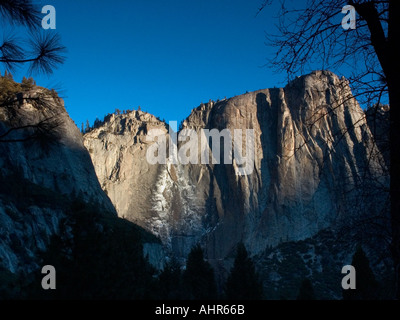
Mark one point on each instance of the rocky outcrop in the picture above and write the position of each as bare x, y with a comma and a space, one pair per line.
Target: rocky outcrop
312, 169
43, 165
122, 169
378, 122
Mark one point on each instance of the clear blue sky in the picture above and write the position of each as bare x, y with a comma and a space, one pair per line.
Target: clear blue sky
166, 56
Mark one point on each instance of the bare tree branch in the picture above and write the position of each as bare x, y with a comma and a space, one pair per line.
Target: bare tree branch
314, 34
43, 132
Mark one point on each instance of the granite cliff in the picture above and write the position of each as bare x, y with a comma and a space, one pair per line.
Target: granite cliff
315, 190
315, 167
45, 171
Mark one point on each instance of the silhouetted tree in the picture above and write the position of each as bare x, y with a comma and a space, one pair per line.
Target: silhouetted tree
44, 52
306, 291
243, 282
87, 127
366, 285
198, 278
313, 33
180, 127
97, 123
170, 281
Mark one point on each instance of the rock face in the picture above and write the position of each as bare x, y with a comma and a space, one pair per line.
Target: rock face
62, 162
122, 169
42, 162
312, 153
378, 122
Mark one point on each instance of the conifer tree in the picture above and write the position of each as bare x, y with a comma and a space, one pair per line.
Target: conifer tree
170, 281
243, 282
43, 51
198, 278
306, 291
366, 284
87, 128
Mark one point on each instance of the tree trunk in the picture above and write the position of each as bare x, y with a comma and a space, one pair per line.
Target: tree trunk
394, 101
395, 182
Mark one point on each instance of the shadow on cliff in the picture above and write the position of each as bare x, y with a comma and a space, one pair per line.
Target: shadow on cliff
267, 116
